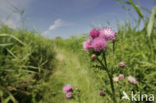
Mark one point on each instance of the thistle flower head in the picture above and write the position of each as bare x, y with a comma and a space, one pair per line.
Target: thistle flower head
98, 44
107, 33
67, 88
94, 33
121, 76
122, 64
69, 95
131, 79
87, 45
115, 79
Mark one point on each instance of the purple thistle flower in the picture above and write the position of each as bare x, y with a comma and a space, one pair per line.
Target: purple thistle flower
94, 33
107, 33
87, 45
69, 95
121, 76
98, 44
122, 64
67, 88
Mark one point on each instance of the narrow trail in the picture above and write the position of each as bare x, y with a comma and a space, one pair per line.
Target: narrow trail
71, 71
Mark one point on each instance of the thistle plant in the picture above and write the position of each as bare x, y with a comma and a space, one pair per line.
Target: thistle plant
96, 46
72, 93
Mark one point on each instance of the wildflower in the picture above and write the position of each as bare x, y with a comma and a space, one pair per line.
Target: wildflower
94, 33
69, 95
107, 33
121, 76
122, 64
98, 44
102, 93
116, 79
67, 88
131, 79
86, 45
93, 56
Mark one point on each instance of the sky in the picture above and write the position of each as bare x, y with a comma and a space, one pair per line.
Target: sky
64, 18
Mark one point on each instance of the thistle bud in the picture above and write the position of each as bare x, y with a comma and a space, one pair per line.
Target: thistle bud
93, 56
121, 76
113, 40
122, 64
102, 93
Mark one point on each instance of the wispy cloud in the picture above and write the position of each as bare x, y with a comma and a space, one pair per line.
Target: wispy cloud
57, 23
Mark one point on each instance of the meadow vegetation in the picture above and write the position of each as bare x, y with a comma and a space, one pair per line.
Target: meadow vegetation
34, 69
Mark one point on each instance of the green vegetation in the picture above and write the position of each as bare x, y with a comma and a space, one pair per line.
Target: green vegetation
134, 48
34, 69
26, 62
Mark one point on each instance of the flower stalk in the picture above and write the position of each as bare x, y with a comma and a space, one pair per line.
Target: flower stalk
97, 45
104, 66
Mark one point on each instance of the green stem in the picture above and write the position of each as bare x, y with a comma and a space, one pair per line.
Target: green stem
110, 78
113, 47
112, 87
109, 75
79, 98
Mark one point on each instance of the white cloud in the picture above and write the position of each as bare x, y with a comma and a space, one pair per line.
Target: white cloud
57, 23
8, 16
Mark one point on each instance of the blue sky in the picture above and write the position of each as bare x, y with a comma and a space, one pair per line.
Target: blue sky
67, 17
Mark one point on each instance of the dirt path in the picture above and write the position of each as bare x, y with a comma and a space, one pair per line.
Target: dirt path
71, 71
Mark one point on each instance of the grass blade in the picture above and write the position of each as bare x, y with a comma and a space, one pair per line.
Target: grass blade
6, 100
12, 98
151, 22
136, 9
11, 53
17, 39
6, 44
3, 35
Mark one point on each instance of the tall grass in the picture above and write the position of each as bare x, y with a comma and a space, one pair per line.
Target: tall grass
26, 61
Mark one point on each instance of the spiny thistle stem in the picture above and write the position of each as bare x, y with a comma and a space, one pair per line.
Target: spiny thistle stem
113, 47
109, 75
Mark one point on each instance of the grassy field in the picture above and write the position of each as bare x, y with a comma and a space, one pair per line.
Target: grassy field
34, 69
